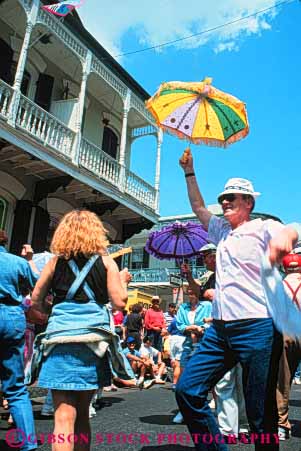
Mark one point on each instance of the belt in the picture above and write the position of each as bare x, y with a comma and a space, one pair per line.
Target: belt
8, 300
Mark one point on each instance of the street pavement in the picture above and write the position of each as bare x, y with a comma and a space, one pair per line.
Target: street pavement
145, 419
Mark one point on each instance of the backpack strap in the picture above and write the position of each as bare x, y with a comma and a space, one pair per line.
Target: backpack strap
80, 277
294, 292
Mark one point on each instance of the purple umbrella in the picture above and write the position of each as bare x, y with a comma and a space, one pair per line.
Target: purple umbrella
178, 240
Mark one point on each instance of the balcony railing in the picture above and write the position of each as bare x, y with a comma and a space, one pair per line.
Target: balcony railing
45, 127
51, 132
140, 190
161, 275
100, 163
63, 33
143, 131
6, 93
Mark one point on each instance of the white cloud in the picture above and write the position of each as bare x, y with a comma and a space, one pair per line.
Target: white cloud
157, 21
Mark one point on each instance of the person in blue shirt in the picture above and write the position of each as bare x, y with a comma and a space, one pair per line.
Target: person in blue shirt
138, 363
176, 340
16, 274
191, 322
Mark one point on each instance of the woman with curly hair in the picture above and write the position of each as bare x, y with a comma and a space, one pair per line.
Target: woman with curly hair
82, 278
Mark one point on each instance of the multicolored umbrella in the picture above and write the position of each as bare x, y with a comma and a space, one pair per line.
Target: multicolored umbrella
199, 113
178, 240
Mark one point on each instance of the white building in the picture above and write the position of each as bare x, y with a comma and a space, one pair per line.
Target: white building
69, 114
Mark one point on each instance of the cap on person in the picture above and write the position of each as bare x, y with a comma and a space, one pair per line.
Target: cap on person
130, 340
292, 263
155, 300
239, 186
208, 249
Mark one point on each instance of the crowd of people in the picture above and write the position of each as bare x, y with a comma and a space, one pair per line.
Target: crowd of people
232, 370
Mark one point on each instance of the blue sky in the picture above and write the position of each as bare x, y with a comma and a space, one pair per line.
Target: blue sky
257, 60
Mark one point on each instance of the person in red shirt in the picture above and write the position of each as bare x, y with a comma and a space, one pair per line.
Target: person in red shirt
118, 322
154, 322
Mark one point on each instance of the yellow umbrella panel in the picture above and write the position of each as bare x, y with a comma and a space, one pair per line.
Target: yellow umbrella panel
199, 112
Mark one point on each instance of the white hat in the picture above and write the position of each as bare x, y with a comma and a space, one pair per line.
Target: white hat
239, 186
208, 249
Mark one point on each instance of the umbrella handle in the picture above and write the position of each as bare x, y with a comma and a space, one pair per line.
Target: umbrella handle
186, 154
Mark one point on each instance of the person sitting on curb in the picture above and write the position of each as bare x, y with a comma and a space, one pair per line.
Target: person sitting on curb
138, 363
152, 354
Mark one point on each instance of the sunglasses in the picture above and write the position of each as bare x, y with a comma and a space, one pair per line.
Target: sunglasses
228, 197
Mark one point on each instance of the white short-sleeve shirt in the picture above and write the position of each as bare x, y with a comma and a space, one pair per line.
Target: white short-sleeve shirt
149, 352
239, 293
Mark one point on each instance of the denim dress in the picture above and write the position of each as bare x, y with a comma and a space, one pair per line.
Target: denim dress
78, 340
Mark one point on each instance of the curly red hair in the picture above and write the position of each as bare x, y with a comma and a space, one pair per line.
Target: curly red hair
80, 232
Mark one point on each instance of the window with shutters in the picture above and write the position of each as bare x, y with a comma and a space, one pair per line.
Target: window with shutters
139, 258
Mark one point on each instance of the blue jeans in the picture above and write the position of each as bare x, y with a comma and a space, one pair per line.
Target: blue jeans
257, 346
12, 337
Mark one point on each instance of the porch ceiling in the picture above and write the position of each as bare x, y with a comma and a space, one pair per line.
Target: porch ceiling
28, 169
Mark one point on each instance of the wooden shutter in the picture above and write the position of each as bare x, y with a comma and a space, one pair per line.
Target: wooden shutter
40, 230
109, 142
44, 91
6, 62
145, 259
21, 225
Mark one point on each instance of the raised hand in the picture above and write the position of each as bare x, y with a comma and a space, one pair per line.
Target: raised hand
282, 244
186, 160
125, 276
27, 252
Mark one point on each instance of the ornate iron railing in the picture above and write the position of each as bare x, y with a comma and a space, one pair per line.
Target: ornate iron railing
149, 275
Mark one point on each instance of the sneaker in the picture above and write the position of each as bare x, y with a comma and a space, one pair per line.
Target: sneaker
46, 412
114, 388
178, 419
149, 384
92, 411
297, 381
159, 380
212, 404
284, 434
140, 382
107, 389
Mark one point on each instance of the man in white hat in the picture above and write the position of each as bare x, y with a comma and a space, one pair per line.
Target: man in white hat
242, 330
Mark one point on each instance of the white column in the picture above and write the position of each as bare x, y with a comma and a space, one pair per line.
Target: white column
126, 109
80, 108
14, 104
158, 168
